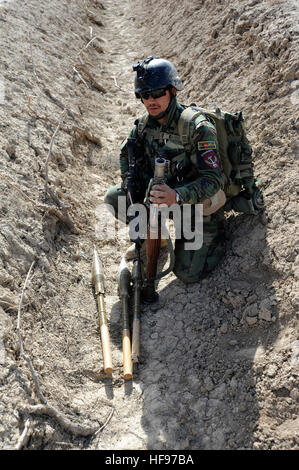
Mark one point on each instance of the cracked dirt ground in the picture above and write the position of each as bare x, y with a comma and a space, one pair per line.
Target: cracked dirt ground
219, 365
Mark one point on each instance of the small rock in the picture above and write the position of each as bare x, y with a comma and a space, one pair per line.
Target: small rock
272, 369
251, 320
265, 315
231, 443
218, 392
265, 310
208, 383
11, 151
8, 300
242, 407
251, 310
224, 328
138, 387
228, 373
294, 394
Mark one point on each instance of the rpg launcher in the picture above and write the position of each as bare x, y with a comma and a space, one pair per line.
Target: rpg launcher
153, 245
124, 281
137, 271
137, 279
129, 288
136, 287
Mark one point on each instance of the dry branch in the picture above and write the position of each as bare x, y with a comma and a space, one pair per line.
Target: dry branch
71, 131
94, 19
44, 207
34, 112
42, 87
87, 45
106, 422
64, 216
88, 75
58, 102
81, 78
22, 352
44, 408
65, 423
23, 439
117, 85
99, 4
85, 133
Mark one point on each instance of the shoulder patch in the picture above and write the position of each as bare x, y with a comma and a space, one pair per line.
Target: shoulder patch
211, 159
206, 145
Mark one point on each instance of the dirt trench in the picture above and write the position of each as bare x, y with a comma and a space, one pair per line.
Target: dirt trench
219, 363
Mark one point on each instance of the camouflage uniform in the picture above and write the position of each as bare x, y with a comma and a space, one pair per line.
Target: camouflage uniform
195, 173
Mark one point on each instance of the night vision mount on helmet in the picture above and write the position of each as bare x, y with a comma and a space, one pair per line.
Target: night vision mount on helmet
153, 73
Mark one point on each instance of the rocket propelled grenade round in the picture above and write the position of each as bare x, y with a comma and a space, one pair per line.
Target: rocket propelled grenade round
99, 285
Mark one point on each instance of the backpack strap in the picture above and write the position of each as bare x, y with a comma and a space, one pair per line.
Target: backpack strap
141, 124
188, 115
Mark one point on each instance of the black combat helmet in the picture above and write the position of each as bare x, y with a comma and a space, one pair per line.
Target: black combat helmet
153, 73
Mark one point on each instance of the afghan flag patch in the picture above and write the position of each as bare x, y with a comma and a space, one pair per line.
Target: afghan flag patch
206, 145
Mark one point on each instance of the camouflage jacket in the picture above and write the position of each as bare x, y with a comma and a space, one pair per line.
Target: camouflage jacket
195, 170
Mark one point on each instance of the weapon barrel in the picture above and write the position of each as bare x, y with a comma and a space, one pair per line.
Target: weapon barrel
98, 281
159, 174
137, 285
124, 278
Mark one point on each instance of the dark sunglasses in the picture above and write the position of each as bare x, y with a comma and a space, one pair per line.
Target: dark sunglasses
153, 93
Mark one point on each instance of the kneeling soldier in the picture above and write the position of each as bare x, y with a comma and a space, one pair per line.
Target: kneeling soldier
195, 173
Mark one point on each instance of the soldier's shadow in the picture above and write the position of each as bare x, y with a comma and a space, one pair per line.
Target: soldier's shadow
204, 345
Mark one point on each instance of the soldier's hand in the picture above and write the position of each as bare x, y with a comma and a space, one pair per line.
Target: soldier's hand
162, 194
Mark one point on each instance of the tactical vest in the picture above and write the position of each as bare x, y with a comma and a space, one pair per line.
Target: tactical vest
234, 148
